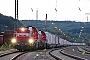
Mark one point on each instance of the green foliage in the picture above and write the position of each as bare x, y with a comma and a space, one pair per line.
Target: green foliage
9, 22
6, 46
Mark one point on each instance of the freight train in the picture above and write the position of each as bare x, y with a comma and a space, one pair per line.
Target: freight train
30, 37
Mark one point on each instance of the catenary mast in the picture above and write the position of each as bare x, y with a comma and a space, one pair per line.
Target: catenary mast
16, 15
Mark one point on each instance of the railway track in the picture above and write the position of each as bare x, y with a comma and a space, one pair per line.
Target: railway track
72, 56
57, 54
61, 55
16, 56
4, 53
19, 55
13, 56
10, 55
54, 56
86, 49
78, 52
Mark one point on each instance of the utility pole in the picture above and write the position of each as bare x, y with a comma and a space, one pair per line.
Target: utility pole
56, 10
37, 16
36, 13
87, 15
16, 15
46, 22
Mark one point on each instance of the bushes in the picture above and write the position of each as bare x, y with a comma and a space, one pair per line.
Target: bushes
6, 46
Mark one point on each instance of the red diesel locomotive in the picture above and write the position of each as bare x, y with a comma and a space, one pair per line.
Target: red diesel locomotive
29, 38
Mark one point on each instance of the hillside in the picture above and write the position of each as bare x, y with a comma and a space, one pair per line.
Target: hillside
7, 23
66, 26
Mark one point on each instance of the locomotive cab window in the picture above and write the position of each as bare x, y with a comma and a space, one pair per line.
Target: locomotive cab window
22, 34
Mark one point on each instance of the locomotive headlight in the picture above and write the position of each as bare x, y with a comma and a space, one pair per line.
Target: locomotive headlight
22, 29
13, 40
31, 41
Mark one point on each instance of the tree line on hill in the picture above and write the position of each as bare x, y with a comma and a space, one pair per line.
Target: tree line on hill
7, 23
73, 30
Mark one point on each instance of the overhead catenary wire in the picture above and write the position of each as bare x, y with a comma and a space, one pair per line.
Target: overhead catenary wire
56, 9
24, 13
85, 4
81, 8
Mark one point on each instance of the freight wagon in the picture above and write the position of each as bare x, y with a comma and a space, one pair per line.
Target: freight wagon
5, 37
1, 39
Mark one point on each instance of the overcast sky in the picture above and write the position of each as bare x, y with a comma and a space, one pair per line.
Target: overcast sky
66, 9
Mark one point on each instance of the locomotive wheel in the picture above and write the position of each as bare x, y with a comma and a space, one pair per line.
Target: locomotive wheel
20, 49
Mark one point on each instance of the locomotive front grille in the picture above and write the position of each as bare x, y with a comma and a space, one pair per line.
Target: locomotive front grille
22, 43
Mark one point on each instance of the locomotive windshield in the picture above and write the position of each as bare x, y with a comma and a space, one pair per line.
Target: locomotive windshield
22, 34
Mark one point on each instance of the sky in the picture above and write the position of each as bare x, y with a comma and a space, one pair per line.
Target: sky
74, 10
